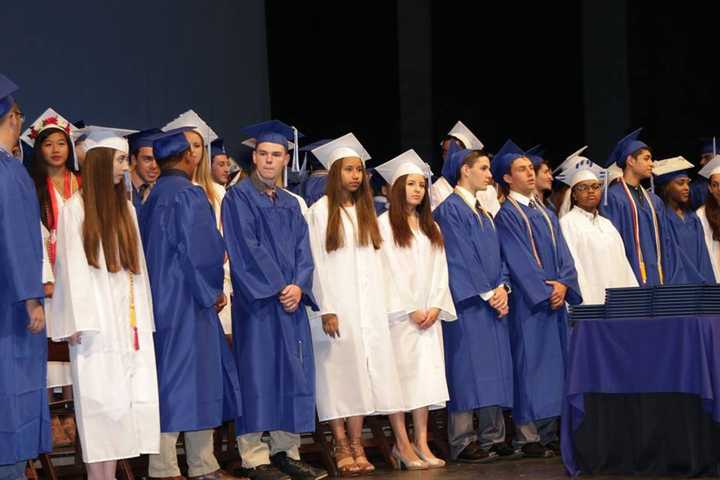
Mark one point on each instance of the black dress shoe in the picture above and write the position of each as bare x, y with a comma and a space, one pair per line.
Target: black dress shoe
554, 447
536, 450
296, 469
506, 452
263, 472
473, 453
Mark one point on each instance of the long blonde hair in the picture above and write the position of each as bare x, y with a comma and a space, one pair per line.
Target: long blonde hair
203, 176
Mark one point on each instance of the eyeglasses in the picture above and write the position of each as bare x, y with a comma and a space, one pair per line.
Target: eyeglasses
585, 187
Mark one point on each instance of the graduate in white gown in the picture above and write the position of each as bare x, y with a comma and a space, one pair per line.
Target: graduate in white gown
102, 305
709, 213
354, 359
441, 189
416, 277
594, 242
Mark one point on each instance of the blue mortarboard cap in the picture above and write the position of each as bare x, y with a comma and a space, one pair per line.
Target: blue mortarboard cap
503, 160
453, 162
143, 138
623, 148
217, 147
272, 131
170, 143
7, 88
536, 155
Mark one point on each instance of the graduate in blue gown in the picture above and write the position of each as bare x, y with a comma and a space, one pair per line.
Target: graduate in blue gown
543, 279
144, 169
543, 176
639, 216
673, 184
478, 360
24, 414
197, 377
699, 187
272, 269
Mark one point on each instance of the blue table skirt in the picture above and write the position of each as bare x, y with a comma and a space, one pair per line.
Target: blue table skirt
653, 355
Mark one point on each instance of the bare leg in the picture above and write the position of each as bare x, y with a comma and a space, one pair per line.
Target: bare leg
355, 427
96, 471
343, 454
420, 419
110, 467
402, 442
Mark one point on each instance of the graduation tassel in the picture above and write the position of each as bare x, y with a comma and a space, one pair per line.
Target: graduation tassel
133, 317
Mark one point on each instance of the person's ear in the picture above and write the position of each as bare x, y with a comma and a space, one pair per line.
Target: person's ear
508, 179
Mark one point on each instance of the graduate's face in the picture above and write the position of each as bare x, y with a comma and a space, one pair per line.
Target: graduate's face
678, 190
220, 169
55, 149
543, 178
120, 166
145, 166
641, 164
522, 176
714, 186
478, 175
586, 194
270, 159
351, 173
196, 147
414, 189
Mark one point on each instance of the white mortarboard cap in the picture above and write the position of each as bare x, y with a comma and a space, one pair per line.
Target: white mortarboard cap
343, 147
670, 165
51, 119
468, 138
404, 164
576, 163
570, 161
107, 137
711, 168
582, 176
192, 119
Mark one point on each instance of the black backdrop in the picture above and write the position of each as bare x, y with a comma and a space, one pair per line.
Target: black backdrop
398, 73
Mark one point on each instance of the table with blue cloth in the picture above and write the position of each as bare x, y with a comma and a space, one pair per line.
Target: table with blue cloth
643, 396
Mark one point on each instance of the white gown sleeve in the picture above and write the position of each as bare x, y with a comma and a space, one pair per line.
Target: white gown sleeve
47, 271
440, 296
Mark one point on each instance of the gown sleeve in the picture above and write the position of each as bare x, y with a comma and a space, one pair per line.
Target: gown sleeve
567, 274
440, 296
304, 266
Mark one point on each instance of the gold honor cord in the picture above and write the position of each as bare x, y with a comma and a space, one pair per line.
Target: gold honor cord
133, 317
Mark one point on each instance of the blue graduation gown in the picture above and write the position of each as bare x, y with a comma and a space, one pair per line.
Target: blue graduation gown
269, 248
478, 361
619, 211
24, 414
313, 188
698, 192
538, 334
689, 235
136, 200
197, 377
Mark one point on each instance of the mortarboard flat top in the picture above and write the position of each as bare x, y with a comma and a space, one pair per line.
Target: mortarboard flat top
96, 137
49, 119
171, 142
7, 88
504, 159
466, 136
623, 148
536, 155
197, 124
711, 168
271, 131
670, 169
346, 146
576, 163
142, 138
406, 163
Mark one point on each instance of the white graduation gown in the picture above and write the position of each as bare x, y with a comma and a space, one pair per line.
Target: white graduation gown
115, 387
355, 373
598, 252
488, 198
713, 246
58, 373
226, 313
417, 279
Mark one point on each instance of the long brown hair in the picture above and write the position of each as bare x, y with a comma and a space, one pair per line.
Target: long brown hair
402, 233
712, 212
368, 231
107, 215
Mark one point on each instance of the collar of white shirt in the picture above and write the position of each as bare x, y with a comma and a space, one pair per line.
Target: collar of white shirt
586, 214
467, 197
519, 197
